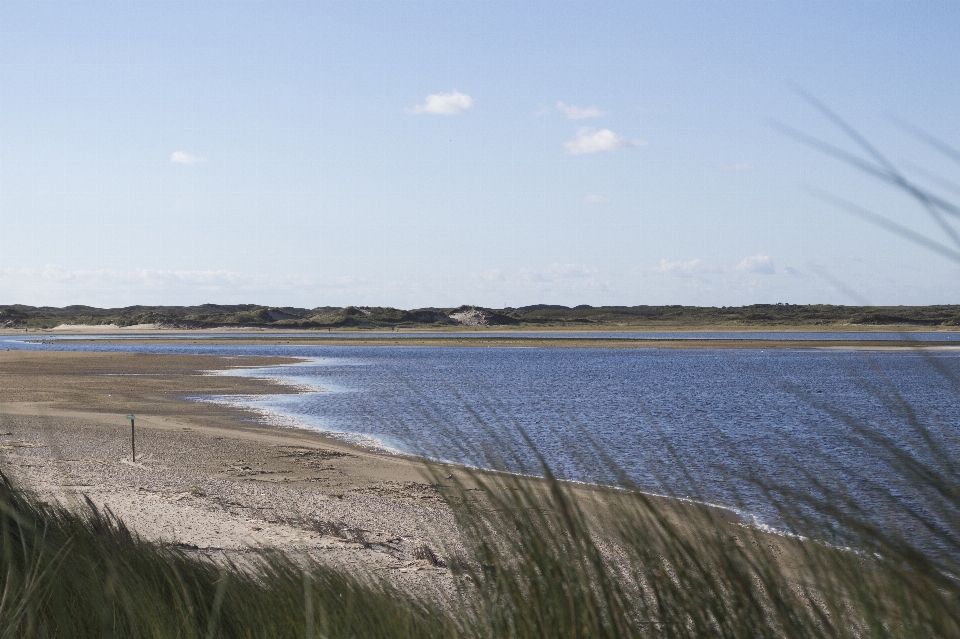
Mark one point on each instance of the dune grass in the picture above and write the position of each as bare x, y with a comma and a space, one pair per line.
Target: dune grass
541, 560
84, 574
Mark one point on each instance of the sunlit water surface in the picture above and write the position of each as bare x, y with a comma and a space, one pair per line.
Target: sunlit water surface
709, 423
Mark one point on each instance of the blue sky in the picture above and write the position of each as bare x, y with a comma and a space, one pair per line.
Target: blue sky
439, 153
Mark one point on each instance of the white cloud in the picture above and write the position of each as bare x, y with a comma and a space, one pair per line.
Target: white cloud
578, 113
592, 141
148, 277
182, 157
57, 286
571, 281
758, 263
556, 273
596, 199
736, 166
453, 103
678, 268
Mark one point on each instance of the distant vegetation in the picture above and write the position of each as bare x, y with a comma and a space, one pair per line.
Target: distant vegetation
537, 316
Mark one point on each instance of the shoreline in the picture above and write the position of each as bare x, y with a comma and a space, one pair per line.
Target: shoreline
149, 329
535, 342
213, 480
218, 482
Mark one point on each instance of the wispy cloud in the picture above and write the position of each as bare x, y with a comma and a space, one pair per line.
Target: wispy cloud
680, 268
579, 113
56, 273
56, 285
183, 157
573, 281
590, 140
736, 166
758, 263
596, 199
561, 273
453, 103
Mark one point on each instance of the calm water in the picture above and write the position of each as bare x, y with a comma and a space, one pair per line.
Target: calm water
702, 422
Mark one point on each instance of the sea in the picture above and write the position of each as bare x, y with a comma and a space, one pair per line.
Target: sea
746, 429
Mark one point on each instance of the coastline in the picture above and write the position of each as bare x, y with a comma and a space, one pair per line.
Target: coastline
214, 480
532, 342
767, 327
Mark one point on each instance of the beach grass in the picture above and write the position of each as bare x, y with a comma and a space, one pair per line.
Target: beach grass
82, 573
540, 560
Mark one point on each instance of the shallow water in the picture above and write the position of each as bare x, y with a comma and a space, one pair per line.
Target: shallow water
708, 423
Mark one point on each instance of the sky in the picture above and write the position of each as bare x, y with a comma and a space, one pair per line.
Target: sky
415, 154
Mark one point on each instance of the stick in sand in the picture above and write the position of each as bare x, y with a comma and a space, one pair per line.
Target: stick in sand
133, 438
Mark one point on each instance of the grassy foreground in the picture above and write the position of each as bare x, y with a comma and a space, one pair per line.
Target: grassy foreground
84, 574
539, 564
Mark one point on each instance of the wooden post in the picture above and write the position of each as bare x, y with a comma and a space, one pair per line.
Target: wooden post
133, 438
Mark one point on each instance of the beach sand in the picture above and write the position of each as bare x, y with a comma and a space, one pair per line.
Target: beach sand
210, 478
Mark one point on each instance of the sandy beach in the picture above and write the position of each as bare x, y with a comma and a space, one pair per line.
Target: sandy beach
210, 478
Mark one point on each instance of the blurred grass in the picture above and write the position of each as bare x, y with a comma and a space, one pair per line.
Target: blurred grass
84, 574
543, 558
